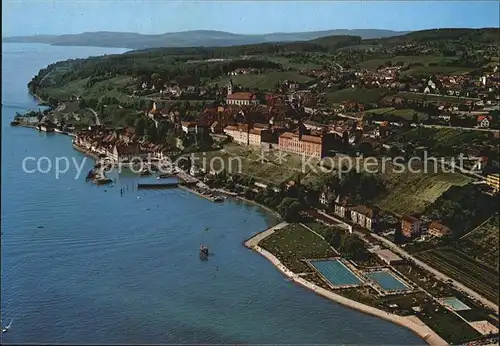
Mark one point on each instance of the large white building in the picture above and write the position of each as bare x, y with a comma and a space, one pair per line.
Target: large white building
242, 136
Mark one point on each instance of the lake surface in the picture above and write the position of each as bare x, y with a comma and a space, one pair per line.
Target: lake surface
107, 268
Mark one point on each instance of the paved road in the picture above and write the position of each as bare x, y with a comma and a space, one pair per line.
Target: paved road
254, 241
97, 120
435, 272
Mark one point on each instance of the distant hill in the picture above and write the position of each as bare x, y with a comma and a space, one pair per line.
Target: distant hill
484, 35
196, 38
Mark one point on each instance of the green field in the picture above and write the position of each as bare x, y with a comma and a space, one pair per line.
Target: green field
483, 243
99, 89
294, 243
357, 95
373, 64
404, 113
247, 161
265, 81
464, 269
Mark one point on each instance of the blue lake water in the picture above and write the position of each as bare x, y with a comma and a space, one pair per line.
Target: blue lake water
111, 269
336, 272
387, 281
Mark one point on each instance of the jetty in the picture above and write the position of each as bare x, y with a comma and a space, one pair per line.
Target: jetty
170, 185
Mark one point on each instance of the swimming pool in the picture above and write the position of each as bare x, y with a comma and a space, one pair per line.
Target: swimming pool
455, 304
387, 281
336, 272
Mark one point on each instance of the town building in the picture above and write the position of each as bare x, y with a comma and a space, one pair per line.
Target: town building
493, 180
484, 121
438, 230
125, 152
188, 127
389, 257
316, 146
340, 207
410, 226
240, 98
363, 216
240, 134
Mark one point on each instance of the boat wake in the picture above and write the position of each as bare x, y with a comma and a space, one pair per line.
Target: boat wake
6, 328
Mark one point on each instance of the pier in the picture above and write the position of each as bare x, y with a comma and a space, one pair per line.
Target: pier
171, 185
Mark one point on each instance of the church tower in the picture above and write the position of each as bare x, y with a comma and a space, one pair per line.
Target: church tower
229, 87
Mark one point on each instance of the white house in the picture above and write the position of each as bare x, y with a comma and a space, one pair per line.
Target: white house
188, 127
484, 121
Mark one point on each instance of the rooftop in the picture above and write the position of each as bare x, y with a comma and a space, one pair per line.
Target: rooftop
388, 255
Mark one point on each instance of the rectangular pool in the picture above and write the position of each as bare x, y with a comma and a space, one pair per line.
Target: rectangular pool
387, 281
455, 304
336, 272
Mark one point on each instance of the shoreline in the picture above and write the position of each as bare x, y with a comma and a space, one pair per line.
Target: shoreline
412, 323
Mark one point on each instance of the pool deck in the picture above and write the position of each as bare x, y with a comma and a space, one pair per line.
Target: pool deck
411, 322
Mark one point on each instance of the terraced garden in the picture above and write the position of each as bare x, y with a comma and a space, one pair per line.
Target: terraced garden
413, 192
464, 269
483, 243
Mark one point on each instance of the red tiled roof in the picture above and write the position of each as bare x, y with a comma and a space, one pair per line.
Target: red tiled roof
241, 96
409, 218
482, 117
442, 228
363, 210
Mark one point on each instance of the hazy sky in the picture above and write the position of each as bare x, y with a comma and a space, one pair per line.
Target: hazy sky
21, 17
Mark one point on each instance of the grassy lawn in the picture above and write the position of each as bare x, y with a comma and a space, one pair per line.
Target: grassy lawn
266, 81
449, 326
295, 243
357, 95
247, 161
464, 269
482, 243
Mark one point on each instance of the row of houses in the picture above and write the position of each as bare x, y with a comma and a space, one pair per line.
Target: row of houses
118, 146
412, 226
367, 218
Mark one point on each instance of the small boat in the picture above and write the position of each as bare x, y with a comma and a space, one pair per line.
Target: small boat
102, 181
145, 172
203, 252
6, 328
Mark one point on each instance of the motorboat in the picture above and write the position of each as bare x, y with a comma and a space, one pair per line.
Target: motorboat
6, 328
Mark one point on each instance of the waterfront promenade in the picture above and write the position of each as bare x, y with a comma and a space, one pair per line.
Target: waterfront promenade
411, 322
